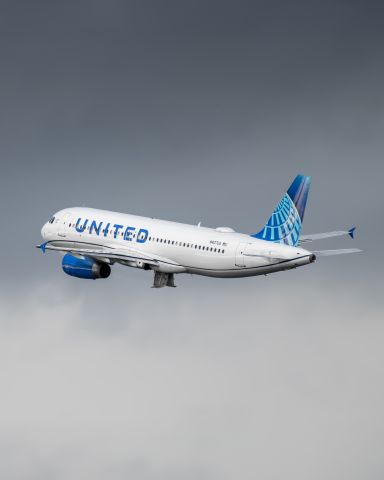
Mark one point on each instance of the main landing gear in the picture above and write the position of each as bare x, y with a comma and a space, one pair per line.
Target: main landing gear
163, 280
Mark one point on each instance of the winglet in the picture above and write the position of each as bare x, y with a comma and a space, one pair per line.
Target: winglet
351, 232
42, 247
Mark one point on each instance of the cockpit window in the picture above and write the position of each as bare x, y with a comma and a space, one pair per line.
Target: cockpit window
52, 220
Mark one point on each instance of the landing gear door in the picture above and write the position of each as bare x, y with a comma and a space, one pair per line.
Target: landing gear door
239, 261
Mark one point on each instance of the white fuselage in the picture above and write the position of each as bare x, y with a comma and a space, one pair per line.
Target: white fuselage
178, 248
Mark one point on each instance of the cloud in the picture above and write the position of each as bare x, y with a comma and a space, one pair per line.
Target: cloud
205, 386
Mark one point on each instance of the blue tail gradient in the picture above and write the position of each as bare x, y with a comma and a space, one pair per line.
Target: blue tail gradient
284, 225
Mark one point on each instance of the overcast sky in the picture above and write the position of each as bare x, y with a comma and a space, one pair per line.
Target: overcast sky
192, 111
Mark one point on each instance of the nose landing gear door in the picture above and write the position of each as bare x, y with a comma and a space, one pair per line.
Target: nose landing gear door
239, 261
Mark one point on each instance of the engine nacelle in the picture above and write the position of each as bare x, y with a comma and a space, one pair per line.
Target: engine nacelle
85, 267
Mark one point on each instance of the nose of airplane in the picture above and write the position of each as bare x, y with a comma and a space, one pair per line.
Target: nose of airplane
44, 230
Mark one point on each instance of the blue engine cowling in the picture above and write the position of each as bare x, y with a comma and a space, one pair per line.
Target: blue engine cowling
85, 267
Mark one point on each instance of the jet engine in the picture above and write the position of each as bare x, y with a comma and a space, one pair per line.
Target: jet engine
85, 267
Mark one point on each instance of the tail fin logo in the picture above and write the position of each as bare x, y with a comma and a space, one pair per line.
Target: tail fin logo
284, 225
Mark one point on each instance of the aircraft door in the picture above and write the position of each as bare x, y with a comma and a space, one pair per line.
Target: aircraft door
64, 225
239, 261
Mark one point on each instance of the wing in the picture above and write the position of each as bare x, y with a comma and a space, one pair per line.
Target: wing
320, 236
341, 251
109, 254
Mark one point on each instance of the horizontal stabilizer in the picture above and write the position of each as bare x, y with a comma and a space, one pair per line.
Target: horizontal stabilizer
321, 236
341, 251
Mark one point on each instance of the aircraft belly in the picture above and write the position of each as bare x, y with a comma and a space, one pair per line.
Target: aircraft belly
207, 262
238, 272
230, 273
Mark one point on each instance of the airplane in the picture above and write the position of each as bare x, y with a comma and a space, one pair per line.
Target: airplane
92, 240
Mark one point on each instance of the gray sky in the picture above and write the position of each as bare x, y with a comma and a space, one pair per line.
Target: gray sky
198, 111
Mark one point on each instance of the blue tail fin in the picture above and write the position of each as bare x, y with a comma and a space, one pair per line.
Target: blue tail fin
284, 225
